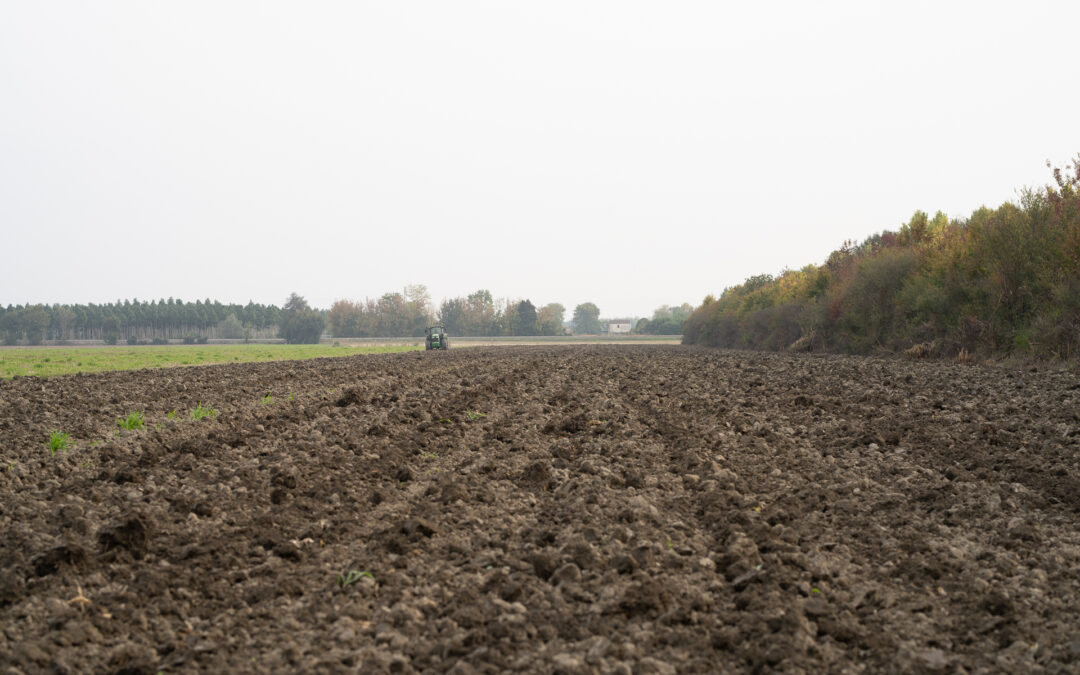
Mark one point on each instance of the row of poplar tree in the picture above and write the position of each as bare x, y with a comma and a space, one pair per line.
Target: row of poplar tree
138, 320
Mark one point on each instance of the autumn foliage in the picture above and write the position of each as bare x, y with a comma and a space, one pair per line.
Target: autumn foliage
1002, 281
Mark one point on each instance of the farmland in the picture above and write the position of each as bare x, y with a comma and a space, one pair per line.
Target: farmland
586, 508
46, 361
50, 361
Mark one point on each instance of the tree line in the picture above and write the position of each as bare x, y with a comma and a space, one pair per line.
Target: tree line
405, 314
137, 320
408, 314
481, 315
1001, 281
666, 320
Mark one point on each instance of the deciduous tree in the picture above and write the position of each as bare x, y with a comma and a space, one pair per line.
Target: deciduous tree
586, 319
550, 319
300, 324
452, 315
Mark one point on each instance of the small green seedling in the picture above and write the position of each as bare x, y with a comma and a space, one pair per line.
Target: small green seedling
172, 414
815, 590
202, 411
58, 440
267, 400
472, 415
352, 577
133, 421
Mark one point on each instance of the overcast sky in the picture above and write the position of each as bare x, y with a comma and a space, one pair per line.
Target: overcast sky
625, 153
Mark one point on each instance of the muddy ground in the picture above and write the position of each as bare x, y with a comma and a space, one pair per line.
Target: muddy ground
607, 509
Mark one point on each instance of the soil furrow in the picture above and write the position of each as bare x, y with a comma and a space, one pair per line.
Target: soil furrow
570, 509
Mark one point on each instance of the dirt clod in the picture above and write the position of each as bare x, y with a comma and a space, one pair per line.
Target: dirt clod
131, 533
51, 560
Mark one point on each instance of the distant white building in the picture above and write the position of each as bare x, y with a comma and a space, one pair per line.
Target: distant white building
619, 326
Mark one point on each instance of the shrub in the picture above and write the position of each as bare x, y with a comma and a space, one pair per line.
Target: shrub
231, 328
133, 340
189, 339
160, 341
868, 301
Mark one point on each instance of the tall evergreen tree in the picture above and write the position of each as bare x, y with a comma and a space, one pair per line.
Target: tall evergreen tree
525, 319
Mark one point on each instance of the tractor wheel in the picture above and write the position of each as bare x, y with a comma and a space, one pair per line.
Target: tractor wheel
445, 343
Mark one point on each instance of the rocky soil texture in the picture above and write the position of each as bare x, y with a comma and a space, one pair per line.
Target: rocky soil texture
601, 509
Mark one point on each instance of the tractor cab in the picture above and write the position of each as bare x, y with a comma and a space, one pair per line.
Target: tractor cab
436, 338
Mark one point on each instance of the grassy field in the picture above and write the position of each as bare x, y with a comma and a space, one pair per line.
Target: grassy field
46, 361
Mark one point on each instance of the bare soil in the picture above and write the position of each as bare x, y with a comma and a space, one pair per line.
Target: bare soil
581, 509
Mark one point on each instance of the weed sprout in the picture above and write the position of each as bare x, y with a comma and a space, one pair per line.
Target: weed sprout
352, 577
202, 411
58, 440
133, 421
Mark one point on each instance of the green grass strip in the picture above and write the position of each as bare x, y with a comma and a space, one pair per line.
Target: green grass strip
49, 361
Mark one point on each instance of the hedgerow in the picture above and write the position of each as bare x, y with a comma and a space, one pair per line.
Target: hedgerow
1002, 281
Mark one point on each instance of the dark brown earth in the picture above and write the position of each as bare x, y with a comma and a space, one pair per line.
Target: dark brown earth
575, 509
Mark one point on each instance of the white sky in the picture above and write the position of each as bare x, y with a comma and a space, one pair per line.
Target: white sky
630, 154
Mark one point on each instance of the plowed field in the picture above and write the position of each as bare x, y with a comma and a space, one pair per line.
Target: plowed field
644, 509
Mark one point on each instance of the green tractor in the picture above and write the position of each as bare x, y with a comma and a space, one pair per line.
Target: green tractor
437, 338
